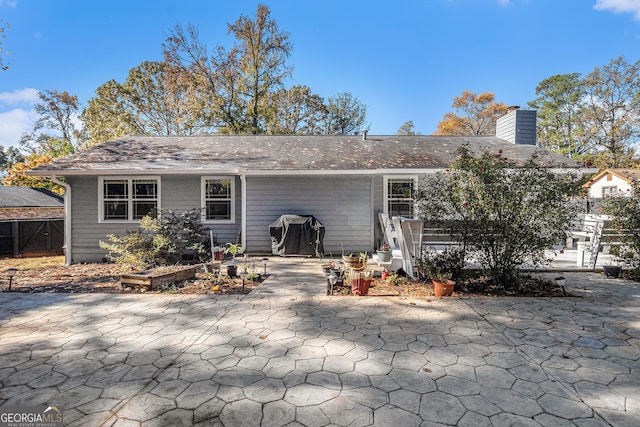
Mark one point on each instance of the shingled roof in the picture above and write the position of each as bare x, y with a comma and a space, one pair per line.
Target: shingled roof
25, 197
260, 153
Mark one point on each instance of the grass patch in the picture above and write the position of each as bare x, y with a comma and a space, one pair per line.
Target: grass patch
25, 264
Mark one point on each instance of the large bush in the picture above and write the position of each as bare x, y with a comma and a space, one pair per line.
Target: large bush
625, 213
503, 214
162, 239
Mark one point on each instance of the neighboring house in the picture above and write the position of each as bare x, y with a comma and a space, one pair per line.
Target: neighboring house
31, 222
612, 182
243, 183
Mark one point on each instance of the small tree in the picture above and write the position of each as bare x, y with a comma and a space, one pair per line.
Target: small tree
160, 240
625, 212
503, 214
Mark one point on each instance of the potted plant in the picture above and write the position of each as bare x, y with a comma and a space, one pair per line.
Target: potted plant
384, 254
353, 261
234, 249
442, 267
442, 285
611, 270
360, 281
327, 267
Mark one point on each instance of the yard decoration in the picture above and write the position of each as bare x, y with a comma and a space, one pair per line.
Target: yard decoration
234, 249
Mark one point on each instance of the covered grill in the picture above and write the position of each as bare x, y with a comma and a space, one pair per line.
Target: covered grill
296, 235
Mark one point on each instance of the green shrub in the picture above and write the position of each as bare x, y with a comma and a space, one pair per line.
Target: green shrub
161, 240
446, 264
625, 213
504, 214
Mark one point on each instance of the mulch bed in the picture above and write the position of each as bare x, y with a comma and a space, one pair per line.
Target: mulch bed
105, 278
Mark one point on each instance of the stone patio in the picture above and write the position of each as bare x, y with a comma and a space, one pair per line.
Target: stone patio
287, 354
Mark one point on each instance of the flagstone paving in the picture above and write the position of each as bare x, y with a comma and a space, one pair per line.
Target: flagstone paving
287, 354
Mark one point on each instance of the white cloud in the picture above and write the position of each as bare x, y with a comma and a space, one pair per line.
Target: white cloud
8, 3
620, 6
14, 123
27, 95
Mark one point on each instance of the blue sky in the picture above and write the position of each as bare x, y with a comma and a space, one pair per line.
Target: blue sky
404, 59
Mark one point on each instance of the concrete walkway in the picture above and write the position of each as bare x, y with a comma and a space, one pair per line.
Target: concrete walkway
287, 354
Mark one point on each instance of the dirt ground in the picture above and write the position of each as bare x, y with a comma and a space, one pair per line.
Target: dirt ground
49, 274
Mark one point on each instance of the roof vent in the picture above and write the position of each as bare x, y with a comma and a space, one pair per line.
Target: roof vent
364, 135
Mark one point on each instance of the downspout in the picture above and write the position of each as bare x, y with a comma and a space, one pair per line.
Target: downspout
243, 210
67, 219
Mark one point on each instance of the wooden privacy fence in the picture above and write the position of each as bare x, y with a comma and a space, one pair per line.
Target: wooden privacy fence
31, 238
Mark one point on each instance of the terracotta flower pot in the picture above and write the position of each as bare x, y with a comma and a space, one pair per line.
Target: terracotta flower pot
360, 287
443, 288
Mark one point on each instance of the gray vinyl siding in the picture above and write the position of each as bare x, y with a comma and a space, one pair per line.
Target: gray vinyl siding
178, 193
343, 204
518, 127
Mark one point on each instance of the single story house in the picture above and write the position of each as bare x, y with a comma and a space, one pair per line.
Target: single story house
243, 183
612, 182
31, 222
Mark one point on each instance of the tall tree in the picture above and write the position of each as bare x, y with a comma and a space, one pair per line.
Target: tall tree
143, 104
263, 51
54, 134
16, 174
407, 129
613, 109
560, 105
476, 115
295, 111
345, 115
3, 66
211, 78
55, 131
231, 87
9, 157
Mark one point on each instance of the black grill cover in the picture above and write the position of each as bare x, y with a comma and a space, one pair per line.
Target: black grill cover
296, 235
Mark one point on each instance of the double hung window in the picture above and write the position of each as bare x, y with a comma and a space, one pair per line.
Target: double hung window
128, 199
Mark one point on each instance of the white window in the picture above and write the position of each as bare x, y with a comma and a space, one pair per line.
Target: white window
128, 199
399, 195
609, 191
218, 199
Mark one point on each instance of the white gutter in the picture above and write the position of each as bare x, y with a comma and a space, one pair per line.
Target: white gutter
67, 218
243, 220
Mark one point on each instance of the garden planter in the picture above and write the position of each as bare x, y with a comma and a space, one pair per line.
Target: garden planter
218, 254
211, 266
360, 286
612, 270
360, 282
443, 288
352, 261
232, 270
326, 268
149, 280
384, 256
